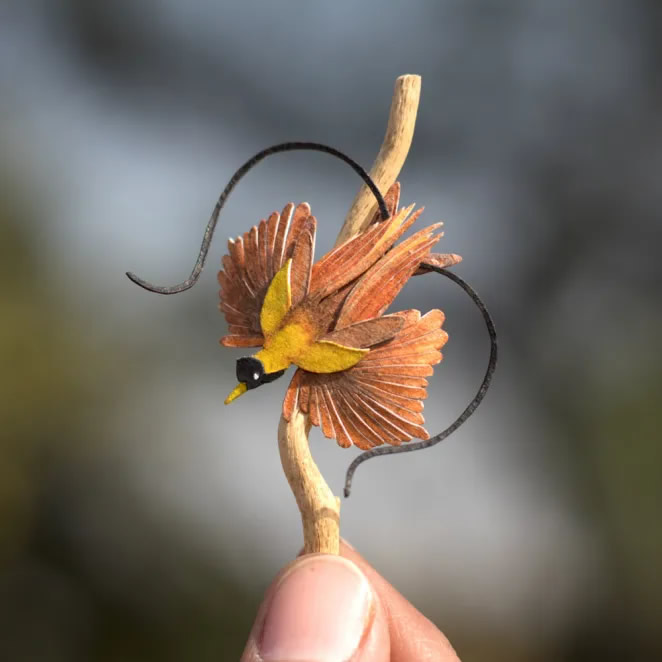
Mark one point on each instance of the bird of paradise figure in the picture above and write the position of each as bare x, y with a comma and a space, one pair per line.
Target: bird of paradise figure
361, 374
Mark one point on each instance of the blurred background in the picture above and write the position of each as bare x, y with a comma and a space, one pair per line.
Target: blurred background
140, 519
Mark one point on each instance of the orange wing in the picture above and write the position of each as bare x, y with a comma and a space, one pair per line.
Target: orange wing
441, 260
254, 260
374, 292
379, 400
354, 257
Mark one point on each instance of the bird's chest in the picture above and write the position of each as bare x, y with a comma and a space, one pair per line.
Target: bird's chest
296, 341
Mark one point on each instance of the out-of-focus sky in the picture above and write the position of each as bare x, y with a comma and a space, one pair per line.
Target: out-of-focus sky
142, 517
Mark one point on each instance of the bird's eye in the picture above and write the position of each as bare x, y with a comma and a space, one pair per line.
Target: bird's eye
256, 376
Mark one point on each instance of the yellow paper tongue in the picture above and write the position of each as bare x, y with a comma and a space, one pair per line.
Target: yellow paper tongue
238, 390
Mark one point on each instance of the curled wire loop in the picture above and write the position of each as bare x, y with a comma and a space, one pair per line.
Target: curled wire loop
204, 250
470, 408
234, 180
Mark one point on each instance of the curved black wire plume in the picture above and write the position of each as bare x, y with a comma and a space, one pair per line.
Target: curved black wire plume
234, 180
471, 407
204, 250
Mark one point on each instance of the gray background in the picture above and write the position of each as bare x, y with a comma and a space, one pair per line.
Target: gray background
140, 518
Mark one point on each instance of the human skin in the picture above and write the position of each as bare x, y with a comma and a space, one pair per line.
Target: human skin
325, 608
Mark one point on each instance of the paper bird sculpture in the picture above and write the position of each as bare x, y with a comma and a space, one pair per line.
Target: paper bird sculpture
361, 374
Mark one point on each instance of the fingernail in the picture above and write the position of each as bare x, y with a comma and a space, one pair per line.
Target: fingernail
318, 613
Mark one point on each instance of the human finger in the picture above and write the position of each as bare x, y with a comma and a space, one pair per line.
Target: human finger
320, 608
413, 637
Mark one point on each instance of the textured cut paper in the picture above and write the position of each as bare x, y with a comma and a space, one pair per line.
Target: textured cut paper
361, 374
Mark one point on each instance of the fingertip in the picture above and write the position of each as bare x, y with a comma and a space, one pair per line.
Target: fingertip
321, 608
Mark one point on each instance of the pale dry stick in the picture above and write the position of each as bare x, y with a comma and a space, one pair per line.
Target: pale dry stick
320, 509
391, 157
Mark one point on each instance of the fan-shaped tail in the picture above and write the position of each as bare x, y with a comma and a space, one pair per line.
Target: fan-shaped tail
380, 399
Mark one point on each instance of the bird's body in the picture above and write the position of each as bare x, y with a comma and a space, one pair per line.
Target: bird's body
361, 374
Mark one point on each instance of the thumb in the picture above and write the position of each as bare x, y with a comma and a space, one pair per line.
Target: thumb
321, 608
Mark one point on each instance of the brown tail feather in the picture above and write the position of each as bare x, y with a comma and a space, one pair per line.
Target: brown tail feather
375, 291
351, 259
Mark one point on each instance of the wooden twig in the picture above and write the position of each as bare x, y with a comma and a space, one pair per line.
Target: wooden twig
320, 509
391, 156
